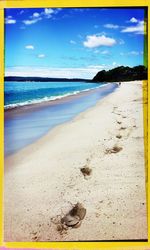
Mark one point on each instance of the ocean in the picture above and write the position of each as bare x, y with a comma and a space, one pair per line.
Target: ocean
25, 123
26, 93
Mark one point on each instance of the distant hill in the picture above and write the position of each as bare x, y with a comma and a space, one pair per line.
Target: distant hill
121, 74
42, 79
114, 75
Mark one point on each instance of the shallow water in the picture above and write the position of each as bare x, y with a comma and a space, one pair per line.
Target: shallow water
24, 127
26, 93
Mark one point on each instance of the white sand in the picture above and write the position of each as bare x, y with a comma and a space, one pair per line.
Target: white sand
44, 179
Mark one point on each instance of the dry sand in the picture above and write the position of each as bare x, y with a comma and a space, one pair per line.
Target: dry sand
44, 180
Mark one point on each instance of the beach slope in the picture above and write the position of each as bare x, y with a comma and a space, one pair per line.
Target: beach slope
44, 180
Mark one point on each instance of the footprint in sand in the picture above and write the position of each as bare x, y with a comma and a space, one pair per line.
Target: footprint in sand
119, 122
118, 136
122, 128
117, 113
74, 217
86, 171
35, 236
115, 149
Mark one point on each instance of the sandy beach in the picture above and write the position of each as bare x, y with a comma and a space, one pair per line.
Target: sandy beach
44, 180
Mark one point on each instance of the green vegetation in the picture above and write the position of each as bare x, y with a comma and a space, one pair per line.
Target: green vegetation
122, 74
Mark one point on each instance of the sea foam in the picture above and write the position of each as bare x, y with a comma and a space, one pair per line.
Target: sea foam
47, 99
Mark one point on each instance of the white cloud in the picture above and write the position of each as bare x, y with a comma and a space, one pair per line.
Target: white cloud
137, 29
48, 11
105, 52
29, 47
36, 17
41, 56
72, 42
133, 53
114, 63
133, 20
36, 14
111, 26
88, 73
32, 21
10, 20
94, 41
98, 67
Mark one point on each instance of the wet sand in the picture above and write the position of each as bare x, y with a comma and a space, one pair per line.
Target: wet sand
44, 180
25, 124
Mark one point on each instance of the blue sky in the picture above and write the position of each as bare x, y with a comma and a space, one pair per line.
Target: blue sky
72, 42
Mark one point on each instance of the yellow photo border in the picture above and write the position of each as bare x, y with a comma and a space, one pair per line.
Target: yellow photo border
130, 245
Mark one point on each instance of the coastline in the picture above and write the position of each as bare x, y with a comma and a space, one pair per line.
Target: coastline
44, 179
36, 103
36, 120
41, 104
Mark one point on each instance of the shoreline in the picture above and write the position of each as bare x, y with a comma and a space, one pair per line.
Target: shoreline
46, 116
43, 180
63, 99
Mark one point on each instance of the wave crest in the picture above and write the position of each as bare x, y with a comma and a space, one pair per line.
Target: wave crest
46, 99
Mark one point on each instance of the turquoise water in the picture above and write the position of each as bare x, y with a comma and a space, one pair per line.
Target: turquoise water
25, 125
26, 93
